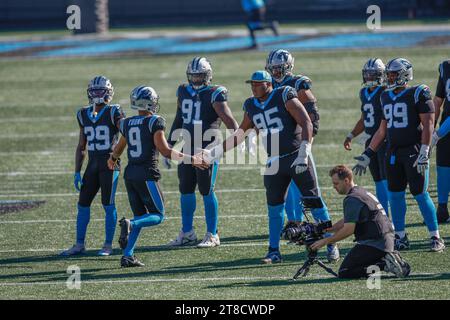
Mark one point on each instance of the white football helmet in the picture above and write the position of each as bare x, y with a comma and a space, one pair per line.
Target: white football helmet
145, 99
100, 90
282, 61
373, 73
199, 72
404, 70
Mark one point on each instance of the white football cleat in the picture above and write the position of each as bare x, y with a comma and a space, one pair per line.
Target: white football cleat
107, 250
209, 241
75, 250
184, 239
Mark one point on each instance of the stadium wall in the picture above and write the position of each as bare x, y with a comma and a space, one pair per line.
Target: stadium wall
51, 14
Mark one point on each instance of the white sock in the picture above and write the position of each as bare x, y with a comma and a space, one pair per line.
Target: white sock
401, 234
434, 234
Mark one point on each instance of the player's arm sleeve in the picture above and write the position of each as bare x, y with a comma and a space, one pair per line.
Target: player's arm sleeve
289, 93
303, 83
220, 94
422, 96
440, 90
352, 209
118, 114
158, 124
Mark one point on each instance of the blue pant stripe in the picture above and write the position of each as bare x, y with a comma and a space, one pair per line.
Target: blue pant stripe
156, 196
114, 186
215, 169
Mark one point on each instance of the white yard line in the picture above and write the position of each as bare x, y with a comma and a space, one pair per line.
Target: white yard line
40, 135
286, 278
222, 167
60, 195
221, 216
225, 245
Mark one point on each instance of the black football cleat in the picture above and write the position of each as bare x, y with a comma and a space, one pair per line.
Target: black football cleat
125, 229
129, 262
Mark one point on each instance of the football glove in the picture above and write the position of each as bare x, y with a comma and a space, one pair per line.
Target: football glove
210, 155
423, 160
363, 162
301, 162
77, 181
252, 144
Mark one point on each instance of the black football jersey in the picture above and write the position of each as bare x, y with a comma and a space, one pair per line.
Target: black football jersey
142, 152
101, 130
280, 132
298, 82
402, 113
371, 109
443, 88
198, 114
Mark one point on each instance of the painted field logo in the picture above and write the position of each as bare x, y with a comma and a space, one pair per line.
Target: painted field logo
10, 206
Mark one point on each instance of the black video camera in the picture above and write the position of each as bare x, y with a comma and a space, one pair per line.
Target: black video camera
306, 232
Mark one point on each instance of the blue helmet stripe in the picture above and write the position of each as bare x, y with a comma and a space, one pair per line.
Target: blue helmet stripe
272, 55
195, 64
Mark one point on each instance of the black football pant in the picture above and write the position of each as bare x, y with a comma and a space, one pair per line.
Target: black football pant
98, 176
358, 260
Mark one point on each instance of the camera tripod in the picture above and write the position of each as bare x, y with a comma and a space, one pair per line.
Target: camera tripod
312, 259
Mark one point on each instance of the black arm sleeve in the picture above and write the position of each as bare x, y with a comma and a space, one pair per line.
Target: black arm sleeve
177, 124
312, 110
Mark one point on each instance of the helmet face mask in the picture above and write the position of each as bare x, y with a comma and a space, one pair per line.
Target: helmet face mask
199, 72
399, 72
373, 73
279, 64
144, 98
100, 90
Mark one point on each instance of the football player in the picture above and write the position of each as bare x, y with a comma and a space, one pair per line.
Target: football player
256, 19
99, 127
201, 107
144, 135
374, 81
408, 119
280, 65
283, 122
442, 139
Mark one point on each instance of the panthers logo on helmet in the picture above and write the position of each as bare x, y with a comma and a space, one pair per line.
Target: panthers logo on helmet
100, 90
199, 72
145, 99
403, 70
374, 73
279, 64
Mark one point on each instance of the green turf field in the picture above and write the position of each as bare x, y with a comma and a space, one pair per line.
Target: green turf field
38, 102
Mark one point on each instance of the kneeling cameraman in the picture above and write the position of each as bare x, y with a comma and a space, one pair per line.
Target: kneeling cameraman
366, 219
